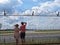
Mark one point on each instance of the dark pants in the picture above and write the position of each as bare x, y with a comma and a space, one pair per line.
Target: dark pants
22, 35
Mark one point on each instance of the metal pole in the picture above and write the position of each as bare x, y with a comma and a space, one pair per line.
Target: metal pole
4, 41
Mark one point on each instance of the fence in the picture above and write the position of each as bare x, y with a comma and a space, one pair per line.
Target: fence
33, 22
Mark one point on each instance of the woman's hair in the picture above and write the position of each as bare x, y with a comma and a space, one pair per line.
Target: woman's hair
16, 25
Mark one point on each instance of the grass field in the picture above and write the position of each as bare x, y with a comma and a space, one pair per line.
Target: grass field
32, 32
39, 31
49, 41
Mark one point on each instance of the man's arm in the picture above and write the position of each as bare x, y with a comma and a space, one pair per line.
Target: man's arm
25, 23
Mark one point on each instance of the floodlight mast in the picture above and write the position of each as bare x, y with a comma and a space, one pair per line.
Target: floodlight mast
5, 14
58, 14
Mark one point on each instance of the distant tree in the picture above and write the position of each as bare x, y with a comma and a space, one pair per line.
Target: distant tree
0, 26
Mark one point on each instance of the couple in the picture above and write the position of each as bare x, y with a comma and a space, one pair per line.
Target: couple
22, 30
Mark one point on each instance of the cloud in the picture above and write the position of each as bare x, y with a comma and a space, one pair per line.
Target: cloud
47, 7
26, 12
4, 1
35, 0
10, 6
32, 22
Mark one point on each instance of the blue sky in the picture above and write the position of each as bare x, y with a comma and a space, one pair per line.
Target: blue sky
26, 7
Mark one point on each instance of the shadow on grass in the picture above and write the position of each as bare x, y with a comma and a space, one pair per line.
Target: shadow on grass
34, 44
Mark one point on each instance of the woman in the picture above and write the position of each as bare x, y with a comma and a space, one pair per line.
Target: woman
16, 33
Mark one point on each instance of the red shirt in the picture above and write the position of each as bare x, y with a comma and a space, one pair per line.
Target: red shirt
23, 28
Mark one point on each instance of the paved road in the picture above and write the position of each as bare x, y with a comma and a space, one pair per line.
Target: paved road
29, 37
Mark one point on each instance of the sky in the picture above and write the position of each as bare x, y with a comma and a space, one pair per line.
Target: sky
26, 7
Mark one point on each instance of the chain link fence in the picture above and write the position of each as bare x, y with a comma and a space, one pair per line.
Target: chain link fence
33, 33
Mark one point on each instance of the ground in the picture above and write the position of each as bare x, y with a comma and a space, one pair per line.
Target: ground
43, 37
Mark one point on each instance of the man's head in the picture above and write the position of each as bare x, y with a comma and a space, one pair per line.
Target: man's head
22, 23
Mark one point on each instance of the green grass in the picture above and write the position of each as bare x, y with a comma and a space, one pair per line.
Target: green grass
1, 32
46, 30
36, 32
49, 31
6, 33
43, 31
49, 41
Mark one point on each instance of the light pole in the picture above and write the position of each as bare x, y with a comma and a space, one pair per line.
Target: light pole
0, 26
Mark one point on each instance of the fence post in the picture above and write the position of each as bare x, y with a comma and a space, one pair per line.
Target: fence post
4, 41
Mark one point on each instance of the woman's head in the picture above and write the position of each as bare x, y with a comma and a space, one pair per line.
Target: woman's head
16, 25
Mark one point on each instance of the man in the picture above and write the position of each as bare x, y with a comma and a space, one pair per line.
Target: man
23, 30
